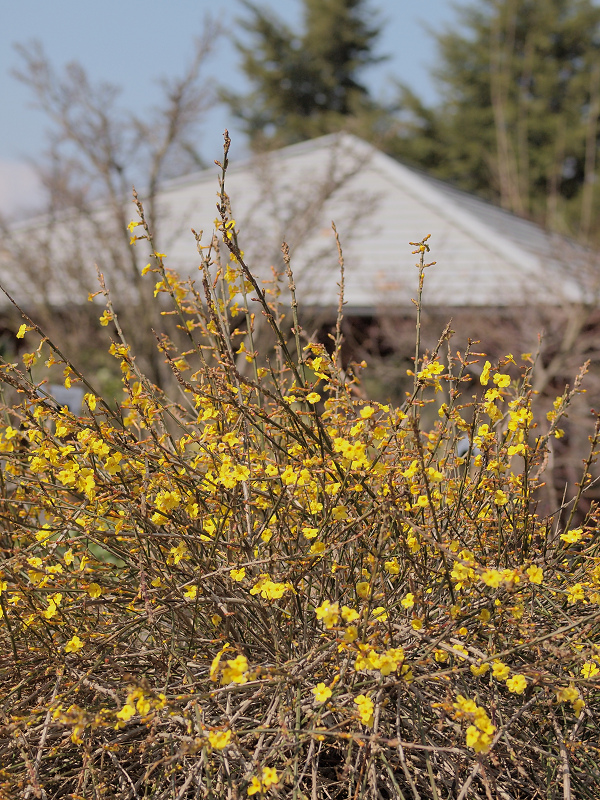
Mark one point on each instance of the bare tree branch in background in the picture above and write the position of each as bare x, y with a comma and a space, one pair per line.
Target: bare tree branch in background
97, 152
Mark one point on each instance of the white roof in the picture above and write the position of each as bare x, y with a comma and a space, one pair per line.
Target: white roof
485, 256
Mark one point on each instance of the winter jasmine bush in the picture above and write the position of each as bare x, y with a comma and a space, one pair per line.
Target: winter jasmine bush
263, 584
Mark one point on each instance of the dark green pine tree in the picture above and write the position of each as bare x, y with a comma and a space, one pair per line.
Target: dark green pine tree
518, 119
306, 84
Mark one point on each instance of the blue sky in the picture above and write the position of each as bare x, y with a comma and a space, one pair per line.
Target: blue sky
133, 43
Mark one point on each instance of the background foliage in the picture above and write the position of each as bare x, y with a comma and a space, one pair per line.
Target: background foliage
519, 83
306, 84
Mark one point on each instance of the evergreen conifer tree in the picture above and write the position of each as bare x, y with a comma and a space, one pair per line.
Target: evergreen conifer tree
518, 120
309, 83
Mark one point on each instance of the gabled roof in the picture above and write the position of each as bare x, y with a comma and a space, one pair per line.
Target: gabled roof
523, 233
485, 256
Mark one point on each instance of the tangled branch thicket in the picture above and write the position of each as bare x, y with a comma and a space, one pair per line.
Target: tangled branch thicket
268, 586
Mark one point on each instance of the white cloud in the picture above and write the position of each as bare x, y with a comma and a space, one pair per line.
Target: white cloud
20, 188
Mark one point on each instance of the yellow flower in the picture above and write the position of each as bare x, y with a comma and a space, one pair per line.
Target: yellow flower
502, 380
22, 331
365, 709
479, 735
517, 684
367, 412
500, 671
349, 614
44, 533
269, 777
91, 400
568, 694
94, 590
362, 589
510, 575
219, 740
485, 374
491, 577
393, 567
459, 650
317, 548
367, 658
51, 610
535, 574
269, 589
313, 398
575, 593
351, 634
406, 673
329, 613
578, 706
176, 553
478, 740
492, 394
390, 660
589, 669
310, 533
465, 705
29, 359
571, 537
143, 705
322, 692
434, 475
479, 670
380, 614
112, 464
126, 713
500, 497
238, 574
191, 592
408, 601
166, 501
214, 667
236, 671
430, 371
255, 787
74, 645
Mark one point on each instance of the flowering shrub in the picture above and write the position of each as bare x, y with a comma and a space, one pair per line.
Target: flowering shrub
269, 586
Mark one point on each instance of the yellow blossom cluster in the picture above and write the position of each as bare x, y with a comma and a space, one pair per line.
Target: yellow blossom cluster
286, 572
479, 734
267, 779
